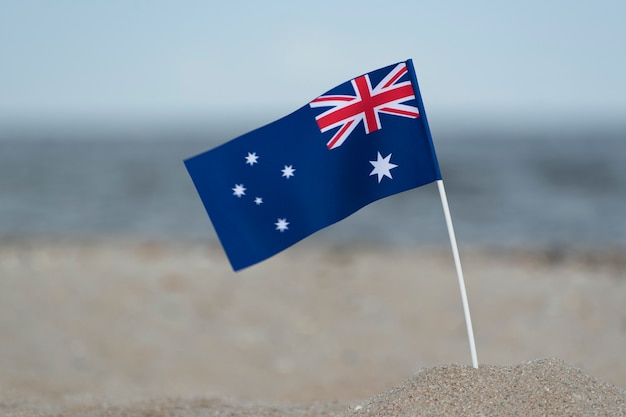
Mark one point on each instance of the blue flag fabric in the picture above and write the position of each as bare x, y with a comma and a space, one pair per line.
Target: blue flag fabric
361, 141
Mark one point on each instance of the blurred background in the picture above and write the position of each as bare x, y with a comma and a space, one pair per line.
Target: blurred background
100, 102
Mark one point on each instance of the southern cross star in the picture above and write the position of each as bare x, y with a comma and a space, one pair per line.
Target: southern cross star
288, 171
382, 167
252, 158
239, 190
281, 225
258, 201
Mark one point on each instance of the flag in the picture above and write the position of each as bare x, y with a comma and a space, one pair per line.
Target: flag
361, 141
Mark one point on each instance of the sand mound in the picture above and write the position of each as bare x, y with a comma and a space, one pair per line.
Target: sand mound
544, 387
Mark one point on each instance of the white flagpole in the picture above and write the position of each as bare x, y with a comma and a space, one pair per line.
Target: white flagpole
459, 271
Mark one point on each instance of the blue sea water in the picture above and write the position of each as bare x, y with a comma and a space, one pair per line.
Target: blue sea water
504, 190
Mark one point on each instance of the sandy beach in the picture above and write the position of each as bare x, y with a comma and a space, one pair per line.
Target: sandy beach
127, 327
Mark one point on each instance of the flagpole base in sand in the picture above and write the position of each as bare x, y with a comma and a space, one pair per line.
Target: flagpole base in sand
459, 271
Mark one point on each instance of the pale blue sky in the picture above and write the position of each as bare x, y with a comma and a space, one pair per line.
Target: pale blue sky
161, 60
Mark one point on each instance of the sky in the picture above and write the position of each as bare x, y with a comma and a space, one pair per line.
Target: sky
132, 60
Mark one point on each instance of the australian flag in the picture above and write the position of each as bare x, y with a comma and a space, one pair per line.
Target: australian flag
361, 141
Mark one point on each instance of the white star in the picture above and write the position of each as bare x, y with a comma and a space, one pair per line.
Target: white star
252, 158
288, 171
258, 201
239, 190
281, 225
382, 167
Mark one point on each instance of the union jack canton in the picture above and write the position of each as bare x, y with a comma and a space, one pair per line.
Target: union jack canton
366, 105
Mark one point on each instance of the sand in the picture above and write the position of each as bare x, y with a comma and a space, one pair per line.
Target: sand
126, 327
537, 388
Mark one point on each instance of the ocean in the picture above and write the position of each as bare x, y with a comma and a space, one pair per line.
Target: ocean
518, 190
